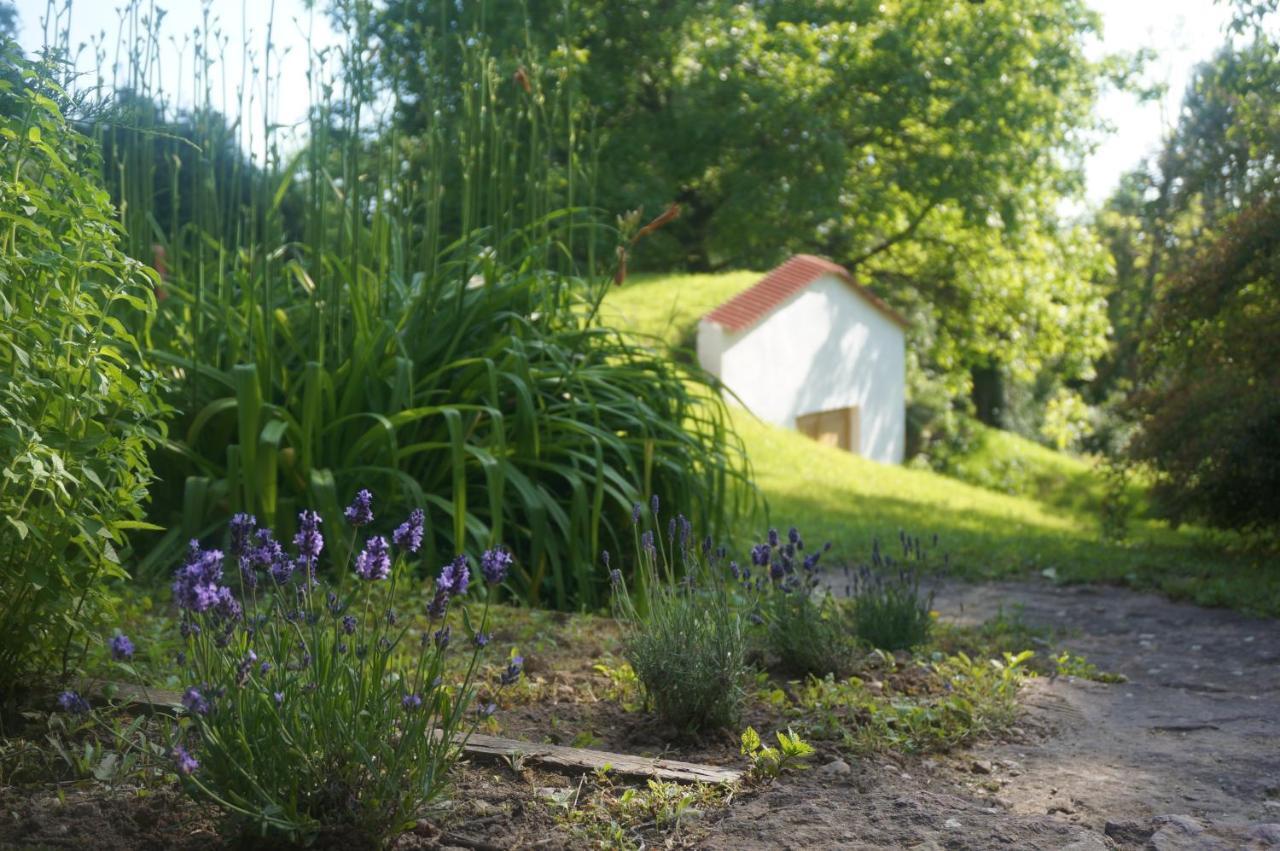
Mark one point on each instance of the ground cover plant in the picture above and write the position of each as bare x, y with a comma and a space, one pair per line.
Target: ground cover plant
80, 402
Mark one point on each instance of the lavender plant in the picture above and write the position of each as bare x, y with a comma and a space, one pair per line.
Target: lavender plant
888, 610
684, 634
308, 708
803, 625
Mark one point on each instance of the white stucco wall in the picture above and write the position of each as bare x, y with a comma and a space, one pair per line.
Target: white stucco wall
825, 348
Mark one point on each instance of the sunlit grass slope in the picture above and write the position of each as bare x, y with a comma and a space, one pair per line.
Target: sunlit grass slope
834, 495
1011, 506
667, 307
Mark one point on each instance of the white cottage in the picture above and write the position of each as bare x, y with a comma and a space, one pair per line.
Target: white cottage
809, 348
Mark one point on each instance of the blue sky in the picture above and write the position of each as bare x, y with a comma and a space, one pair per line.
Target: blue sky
1183, 32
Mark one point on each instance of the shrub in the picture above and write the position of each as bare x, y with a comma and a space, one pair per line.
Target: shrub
79, 404
683, 633
804, 627
1206, 403
308, 708
887, 609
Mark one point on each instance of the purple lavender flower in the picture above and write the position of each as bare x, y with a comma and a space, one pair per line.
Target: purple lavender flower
308, 540
408, 535
242, 526
512, 673
187, 764
776, 571
374, 561
349, 624
410, 702
635, 514
604, 557
671, 529
278, 697
392, 618
264, 668
439, 604
735, 570
485, 710
653, 504
360, 511
121, 647
615, 577
760, 555
196, 585
773, 538
482, 639
195, 702
646, 542
454, 577
71, 701
282, 570
441, 637
266, 550
793, 535
495, 564
248, 575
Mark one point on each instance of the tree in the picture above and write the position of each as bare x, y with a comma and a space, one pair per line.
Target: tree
1195, 300
922, 144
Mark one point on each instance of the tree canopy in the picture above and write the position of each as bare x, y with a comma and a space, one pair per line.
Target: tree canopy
925, 145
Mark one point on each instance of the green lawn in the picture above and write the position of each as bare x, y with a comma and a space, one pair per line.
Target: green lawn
1020, 508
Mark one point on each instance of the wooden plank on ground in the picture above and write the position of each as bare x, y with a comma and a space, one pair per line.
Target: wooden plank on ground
554, 756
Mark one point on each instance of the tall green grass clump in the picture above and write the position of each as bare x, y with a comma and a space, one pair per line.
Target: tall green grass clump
684, 633
413, 313
80, 405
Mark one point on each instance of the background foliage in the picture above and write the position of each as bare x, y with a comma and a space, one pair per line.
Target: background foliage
80, 403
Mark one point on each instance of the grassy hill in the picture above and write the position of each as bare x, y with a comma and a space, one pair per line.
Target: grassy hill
1011, 506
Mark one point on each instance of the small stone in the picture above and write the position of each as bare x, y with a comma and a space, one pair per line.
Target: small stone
1064, 809
1129, 832
952, 824
1179, 824
1087, 842
836, 768
979, 766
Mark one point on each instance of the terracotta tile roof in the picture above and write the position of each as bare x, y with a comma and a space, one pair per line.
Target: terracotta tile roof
750, 306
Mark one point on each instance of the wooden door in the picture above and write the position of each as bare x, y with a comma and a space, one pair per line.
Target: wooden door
838, 427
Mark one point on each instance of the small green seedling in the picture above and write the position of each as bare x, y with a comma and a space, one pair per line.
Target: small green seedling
770, 762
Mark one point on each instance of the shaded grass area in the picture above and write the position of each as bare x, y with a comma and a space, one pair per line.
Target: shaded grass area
1010, 463
836, 496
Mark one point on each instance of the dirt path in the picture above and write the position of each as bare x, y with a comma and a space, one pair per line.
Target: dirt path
1186, 754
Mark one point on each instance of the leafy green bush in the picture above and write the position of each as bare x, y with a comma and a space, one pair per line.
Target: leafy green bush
1207, 400
308, 709
79, 403
683, 633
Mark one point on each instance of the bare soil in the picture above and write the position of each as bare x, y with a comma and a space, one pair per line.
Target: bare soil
1185, 754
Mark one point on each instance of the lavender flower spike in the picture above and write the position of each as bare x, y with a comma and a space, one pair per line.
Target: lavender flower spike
121, 647
495, 564
374, 561
408, 535
454, 577
187, 764
360, 511
309, 541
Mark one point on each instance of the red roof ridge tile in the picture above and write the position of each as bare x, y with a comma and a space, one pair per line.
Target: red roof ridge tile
792, 277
